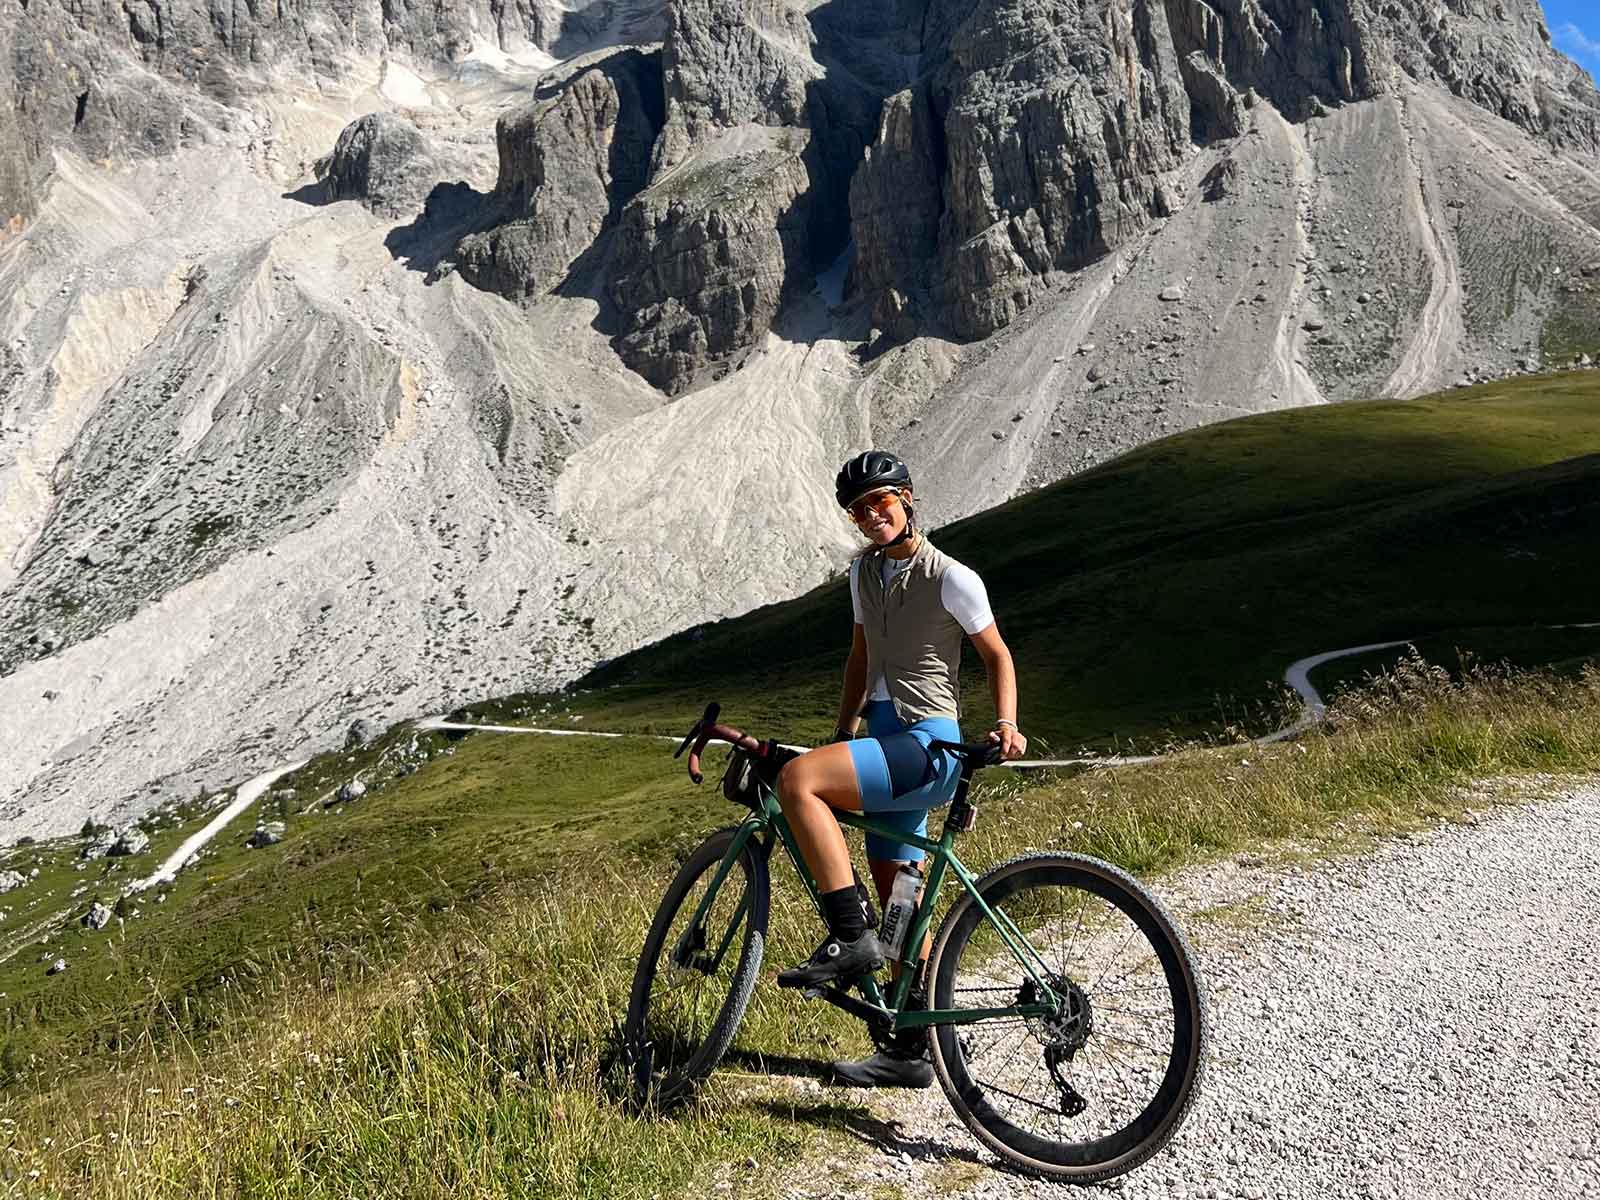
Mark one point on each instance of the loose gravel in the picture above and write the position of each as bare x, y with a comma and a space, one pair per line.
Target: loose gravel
1419, 1021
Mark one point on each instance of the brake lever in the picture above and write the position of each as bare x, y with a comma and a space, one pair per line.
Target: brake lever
698, 737
706, 721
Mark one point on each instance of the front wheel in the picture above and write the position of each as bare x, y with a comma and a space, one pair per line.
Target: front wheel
697, 970
1102, 1082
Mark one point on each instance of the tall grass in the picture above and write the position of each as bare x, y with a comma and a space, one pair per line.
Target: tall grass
477, 1063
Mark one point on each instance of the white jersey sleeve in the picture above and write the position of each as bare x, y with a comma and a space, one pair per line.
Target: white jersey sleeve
855, 589
965, 598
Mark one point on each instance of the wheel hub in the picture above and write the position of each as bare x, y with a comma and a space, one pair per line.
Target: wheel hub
1066, 1030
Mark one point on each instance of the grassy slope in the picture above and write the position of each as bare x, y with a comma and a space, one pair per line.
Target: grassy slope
1169, 589
346, 880
1133, 595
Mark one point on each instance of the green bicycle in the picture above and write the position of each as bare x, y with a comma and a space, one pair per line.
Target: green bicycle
1068, 1015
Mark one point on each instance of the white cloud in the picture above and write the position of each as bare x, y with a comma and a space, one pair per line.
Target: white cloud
1577, 45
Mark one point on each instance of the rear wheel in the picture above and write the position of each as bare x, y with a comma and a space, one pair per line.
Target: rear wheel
1103, 1082
695, 977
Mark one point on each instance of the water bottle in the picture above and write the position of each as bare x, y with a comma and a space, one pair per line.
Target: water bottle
901, 905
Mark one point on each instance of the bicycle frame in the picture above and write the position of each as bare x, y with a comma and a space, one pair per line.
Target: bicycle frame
769, 824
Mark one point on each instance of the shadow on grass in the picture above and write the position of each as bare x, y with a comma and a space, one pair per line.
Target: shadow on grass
778, 1064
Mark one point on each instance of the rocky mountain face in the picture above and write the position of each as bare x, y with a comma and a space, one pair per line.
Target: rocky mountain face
1004, 141
356, 360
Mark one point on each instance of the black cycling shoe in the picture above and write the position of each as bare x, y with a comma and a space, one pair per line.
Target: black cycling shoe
834, 961
886, 1069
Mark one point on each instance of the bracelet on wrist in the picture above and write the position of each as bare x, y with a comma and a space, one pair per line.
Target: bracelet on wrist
1002, 721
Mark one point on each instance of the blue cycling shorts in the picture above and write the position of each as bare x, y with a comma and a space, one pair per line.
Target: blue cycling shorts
900, 780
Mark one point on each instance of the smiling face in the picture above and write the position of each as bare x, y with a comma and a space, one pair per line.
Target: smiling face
881, 514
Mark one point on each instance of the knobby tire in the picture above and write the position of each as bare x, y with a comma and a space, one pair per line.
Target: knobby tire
981, 1104
695, 1052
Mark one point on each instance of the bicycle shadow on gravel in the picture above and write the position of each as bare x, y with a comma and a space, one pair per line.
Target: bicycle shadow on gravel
887, 1136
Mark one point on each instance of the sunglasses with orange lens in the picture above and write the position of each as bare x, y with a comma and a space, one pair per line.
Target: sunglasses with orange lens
878, 502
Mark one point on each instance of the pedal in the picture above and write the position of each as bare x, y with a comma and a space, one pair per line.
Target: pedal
812, 993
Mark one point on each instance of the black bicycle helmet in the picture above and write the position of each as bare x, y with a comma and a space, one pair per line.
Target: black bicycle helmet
867, 472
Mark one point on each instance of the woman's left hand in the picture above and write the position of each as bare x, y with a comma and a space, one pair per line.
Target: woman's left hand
1012, 743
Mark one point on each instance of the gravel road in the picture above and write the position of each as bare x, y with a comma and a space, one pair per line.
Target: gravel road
1422, 1020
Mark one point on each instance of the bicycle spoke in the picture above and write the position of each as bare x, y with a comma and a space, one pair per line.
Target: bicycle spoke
991, 1087
1109, 1041
1135, 969
1132, 1012
1100, 1033
1131, 932
1066, 957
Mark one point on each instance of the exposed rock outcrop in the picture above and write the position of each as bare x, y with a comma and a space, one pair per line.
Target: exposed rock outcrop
894, 211
383, 161
130, 842
732, 62
567, 166
1052, 129
1060, 126
704, 254
16, 178
780, 95
1497, 54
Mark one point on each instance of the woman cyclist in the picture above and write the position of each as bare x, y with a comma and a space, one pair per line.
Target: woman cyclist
912, 604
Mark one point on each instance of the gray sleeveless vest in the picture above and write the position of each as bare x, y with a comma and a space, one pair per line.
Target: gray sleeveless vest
911, 639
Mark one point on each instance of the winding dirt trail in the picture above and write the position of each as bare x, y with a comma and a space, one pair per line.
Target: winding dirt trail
249, 793
1297, 676
1296, 386
1439, 328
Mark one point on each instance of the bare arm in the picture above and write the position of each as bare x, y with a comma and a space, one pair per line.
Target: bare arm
1002, 675
855, 682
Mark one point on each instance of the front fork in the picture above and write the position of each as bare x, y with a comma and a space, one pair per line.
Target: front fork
689, 952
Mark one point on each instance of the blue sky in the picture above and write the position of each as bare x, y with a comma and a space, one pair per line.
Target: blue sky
1575, 29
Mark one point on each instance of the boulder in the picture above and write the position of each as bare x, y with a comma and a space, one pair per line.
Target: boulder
269, 833
55, 968
381, 160
99, 844
10, 881
363, 731
353, 790
132, 841
1220, 181
98, 916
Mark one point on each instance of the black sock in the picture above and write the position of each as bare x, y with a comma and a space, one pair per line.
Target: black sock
842, 911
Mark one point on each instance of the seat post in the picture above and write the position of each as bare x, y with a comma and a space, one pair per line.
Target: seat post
962, 816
